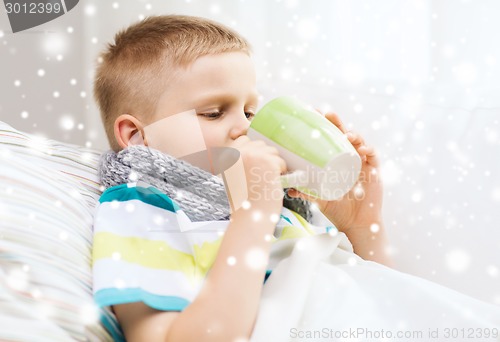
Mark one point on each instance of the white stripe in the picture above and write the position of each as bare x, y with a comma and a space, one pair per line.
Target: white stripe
295, 221
135, 218
121, 274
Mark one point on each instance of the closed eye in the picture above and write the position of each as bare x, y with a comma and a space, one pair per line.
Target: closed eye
213, 115
216, 115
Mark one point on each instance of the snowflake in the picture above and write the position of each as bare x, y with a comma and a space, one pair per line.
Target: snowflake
66, 122
457, 260
256, 259
90, 10
89, 314
231, 260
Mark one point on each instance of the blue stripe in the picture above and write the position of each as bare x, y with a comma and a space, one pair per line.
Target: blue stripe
112, 326
110, 296
328, 228
268, 273
286, 218
149, 195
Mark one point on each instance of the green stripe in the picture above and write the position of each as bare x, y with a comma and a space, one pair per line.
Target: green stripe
149, 195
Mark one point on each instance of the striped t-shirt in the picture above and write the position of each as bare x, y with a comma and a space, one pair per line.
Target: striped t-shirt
146, 248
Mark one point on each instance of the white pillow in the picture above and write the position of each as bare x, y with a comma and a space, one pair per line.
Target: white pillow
48, 191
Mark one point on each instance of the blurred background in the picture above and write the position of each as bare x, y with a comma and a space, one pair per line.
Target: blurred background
420, 80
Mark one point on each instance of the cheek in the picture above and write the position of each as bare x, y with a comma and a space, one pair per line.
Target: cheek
213, 135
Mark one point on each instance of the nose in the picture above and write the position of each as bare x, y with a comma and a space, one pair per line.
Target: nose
240, 126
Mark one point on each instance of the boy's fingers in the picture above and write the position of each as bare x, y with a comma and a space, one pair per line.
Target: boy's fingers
292, 193
335, 119
370, 154
355, 139
297, 194
282, 164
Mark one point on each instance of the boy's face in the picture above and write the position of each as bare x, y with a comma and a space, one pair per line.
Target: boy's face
222, 91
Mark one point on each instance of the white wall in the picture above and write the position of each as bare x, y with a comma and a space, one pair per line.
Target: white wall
54, 53
419, 79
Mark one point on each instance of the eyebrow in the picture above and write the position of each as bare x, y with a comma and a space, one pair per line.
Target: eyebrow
253, 97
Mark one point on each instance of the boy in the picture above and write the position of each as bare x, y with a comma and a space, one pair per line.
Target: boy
166, 65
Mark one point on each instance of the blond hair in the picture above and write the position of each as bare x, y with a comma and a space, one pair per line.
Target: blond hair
132, 73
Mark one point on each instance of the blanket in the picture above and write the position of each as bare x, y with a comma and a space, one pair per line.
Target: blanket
322, 291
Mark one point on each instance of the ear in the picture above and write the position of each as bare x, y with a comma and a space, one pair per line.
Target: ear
125, 127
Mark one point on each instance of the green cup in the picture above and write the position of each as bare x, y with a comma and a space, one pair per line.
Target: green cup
322, 161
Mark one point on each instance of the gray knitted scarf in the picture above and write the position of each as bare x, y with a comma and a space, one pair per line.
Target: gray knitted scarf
200, 194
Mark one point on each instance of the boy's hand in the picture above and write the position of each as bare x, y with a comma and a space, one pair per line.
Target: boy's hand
263, 167
362, 206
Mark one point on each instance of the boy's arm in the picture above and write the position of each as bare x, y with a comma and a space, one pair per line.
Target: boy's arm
227, 304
